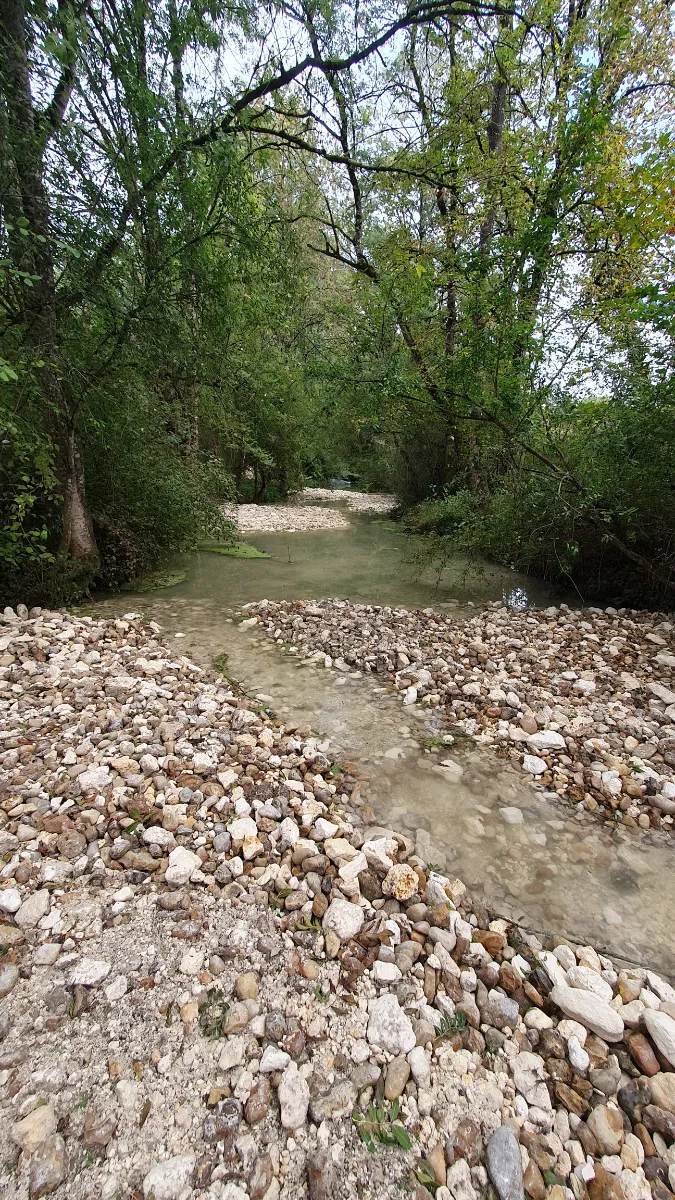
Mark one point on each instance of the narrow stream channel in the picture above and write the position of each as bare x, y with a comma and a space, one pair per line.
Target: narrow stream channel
555, 869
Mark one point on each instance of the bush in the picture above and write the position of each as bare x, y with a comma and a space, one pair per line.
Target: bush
151, 506
614, 499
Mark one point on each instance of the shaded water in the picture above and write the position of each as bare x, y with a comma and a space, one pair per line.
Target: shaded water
371, 563
559, 871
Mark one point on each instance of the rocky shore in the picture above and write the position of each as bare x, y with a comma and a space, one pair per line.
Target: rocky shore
583, 699
219, 979
283, 518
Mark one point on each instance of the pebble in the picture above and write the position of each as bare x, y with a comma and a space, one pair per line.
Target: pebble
182, 865
589, 1010
170, 1179
661, 1029
33, 909
345, 920
34, 1129
47, 1167
89, 972
284, 838
9, 977
389, 1027
504, 1164
293, 1095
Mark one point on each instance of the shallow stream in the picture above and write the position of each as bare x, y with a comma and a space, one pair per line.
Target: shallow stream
556, 870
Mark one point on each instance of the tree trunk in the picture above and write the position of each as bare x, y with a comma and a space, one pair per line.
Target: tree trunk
77, 536
26, 146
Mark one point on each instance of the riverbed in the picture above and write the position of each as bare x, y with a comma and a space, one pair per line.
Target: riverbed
557, 869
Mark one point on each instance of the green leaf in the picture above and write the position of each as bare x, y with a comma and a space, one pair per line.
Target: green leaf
402, 1136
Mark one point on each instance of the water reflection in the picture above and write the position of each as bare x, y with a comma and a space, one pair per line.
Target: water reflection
517, 598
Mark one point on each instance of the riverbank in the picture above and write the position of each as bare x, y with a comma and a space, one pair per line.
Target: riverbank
582, 699
213, 963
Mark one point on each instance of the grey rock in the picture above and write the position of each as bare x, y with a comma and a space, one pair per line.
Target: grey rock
389, 1027
338, 1102
9, 977
344, 919
661, 1029
33, 909
168, 1180
47, 1167
504, 1164
500, 1011
590, 1011
293, 1098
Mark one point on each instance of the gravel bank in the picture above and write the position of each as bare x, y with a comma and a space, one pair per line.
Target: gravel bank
214, 966
286, 518
583, 699
369, 502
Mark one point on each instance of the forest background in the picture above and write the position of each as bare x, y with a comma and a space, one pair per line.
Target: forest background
425, 243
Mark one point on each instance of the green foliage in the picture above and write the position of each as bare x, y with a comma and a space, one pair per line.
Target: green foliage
28, 490
542, 522
213, 1013
424, 1174
380, 1124
448, 1026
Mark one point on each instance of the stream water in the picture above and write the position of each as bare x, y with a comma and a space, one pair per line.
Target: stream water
557, 870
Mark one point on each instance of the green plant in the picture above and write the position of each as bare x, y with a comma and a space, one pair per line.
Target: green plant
424, 1174
213, 1013
448, 1026
380, 1124
310, 922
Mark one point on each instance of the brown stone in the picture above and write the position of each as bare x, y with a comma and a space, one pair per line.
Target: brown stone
552, 1044
10, 935
99, 1127
659, 1190
538, 1150
72, 844
596, 1051
571, 1100
604, 1186
466, 1142
438, 915
509, 979
662, 1088
629, 988
655, 1168
534, 1181
658, 1119
436, 1160
606, 1125
642, 1053
321, 1176
261, 1177
246, 986
493, 942
560, 1071
587, 1139
645, 1137
398, 1074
